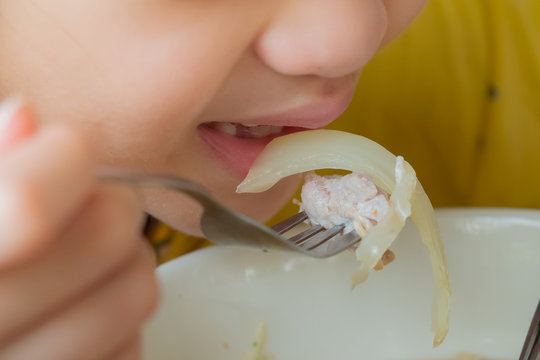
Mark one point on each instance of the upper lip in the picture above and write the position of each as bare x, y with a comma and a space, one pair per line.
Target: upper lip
314, 115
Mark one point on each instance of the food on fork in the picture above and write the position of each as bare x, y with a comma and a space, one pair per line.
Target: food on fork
394, 178
352, 200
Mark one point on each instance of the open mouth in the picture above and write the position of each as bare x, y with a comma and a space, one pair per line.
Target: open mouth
246, 131
237, 146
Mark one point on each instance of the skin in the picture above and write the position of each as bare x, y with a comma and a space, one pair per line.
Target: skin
127, 83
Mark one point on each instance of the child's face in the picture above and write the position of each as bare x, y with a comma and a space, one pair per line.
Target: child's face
154, 83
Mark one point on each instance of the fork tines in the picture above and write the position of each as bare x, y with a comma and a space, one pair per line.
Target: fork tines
290, 223
316, 236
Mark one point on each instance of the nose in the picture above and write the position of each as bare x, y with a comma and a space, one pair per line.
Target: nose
327, 38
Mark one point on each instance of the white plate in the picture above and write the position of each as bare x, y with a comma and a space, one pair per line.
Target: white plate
214, 299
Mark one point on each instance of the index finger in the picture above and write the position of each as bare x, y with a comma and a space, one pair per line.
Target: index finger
43, 182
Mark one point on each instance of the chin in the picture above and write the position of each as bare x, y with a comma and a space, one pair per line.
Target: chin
183, 213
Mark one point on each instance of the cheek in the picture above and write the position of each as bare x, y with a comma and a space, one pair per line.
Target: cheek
131, 73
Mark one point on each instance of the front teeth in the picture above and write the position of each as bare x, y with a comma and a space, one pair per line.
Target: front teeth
246, 131
226, 128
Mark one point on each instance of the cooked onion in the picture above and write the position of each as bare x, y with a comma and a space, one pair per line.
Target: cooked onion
330, 149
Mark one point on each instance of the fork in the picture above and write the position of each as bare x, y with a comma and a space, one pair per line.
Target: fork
224, 226
531, 347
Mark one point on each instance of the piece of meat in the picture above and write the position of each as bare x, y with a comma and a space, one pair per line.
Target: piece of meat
353, 200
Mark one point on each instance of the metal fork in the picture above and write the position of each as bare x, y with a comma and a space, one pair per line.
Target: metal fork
531, 347
224, 226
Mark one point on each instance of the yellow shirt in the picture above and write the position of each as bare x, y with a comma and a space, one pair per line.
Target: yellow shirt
458, 95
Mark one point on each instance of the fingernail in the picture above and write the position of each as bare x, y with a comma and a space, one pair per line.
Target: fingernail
8, 109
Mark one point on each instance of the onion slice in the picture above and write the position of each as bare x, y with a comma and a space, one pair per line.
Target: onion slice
329, 149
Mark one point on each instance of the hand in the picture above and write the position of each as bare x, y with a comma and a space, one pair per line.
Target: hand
76, 277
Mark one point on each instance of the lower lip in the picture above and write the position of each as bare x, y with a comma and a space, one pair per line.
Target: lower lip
237, 154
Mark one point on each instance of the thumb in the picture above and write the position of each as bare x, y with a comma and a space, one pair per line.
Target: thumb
17, 122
